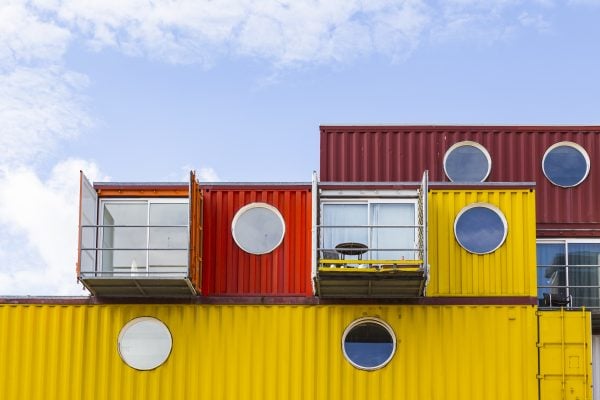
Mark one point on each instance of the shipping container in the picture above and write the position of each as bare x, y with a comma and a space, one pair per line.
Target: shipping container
140, 239
507, 271
515, 154
232, 266
71, 351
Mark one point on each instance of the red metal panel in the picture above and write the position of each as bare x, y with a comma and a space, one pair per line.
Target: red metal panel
228, 270
401, 153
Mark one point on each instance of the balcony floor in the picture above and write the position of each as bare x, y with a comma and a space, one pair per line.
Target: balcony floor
139, 286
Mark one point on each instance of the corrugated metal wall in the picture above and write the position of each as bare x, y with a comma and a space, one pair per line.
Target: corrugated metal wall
228, 270
269, 352
508, 271
402, 153
565, 343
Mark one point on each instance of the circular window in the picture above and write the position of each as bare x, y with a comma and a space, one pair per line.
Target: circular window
467, 162
368, 343
145, 343
480, 228
566, 164
258, 228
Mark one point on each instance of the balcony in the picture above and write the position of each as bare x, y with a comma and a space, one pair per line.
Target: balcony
371, 243
133, 246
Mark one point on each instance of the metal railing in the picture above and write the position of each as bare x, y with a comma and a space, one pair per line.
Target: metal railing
110, 260
364, 251
571, 286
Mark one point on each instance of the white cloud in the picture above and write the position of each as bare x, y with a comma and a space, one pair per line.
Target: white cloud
39, 218
38, 107
285, 32
207, 174
535, 21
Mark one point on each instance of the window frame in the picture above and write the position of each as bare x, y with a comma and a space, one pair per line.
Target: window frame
379, 322
577, 147
491, 207
125, 329
250, 206
368, 202
473, 144
148, 201
565, 242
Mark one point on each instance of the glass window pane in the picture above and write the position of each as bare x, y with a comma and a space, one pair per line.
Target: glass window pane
393, 238
480, 229
582, 255
258, 228
565, 165
466, 163
552, 274
168, 237
351, 215
126, 240
368, 345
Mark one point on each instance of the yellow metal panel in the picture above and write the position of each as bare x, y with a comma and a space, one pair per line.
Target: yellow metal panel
508, 271
269, 352
565, 352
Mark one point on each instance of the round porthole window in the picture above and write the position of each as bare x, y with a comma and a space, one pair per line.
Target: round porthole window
467, 162
145, 343
368, 343
258, 228
566, 164
480, 228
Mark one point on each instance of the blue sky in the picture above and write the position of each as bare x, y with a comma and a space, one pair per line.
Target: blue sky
133, 90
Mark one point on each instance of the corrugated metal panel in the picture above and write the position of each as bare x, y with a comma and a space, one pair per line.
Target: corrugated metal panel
508, 271
565, 353
402, 153
269, 352
228, 270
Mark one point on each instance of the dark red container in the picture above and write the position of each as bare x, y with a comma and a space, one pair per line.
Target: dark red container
402, 153
230, 271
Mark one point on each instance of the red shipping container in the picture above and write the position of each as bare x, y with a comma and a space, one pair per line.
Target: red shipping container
402, 153
228, 270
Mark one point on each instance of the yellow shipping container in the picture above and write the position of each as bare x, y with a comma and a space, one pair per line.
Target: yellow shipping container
269, 352
508, 271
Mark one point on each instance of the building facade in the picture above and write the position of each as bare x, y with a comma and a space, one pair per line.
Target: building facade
423, 263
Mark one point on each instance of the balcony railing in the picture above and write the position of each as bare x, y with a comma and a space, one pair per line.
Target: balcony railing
570, 286
134, 251
373, 251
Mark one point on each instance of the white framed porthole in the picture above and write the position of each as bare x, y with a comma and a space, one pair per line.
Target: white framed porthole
368, 343
566, 164
467, 161
145, 343
480, 228
258, 228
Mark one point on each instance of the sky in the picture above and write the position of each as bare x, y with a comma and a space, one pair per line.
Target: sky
147, 90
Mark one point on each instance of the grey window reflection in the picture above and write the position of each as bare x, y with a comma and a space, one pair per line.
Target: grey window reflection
480, 229
130, 240
569, 270
565, 165
165, 234
368, 345
467, 163
258, 228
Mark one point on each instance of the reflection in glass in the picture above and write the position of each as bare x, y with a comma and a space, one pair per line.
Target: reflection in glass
368, 345
393, 238
168, 237
117, 235
258, 229
466, 163
351, 215
552, 274
565, 166
480, 230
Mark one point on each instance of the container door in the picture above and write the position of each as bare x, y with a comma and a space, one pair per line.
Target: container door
195, 226
565, 355
88, 219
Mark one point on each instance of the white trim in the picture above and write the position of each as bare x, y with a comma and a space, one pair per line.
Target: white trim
490, 207
379, 322
250, 206
577, 147
472, 144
